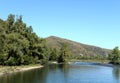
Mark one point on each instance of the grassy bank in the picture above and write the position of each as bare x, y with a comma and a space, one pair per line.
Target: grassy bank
11, 69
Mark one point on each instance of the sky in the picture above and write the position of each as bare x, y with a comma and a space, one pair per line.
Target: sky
93, 22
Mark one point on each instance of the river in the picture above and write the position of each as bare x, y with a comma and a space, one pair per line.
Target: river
78, 72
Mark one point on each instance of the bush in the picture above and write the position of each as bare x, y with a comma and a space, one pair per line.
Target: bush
43, 61
28, 60
11, 61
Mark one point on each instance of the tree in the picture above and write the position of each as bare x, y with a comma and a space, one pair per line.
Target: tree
114, 56
10, 21
19, 44
64, 53
54, 54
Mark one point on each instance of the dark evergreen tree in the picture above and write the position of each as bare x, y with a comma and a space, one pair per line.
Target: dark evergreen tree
64, 54
54, 55
115, 56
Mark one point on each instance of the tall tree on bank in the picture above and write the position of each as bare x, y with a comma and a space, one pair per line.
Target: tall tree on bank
54, 54
64, 53
115, 56
19, 45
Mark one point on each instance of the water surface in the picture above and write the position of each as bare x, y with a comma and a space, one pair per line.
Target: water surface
63, 73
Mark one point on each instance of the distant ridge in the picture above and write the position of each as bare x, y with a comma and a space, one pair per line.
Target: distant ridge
76, 48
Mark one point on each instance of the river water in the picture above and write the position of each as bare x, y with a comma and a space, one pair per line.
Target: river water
78, 72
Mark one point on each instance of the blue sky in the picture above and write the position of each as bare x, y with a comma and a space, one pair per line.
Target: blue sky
94, 22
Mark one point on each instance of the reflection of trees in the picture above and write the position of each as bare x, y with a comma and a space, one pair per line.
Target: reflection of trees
65, 71
53, 67
32, 76
42, 74
116, 73
51, 73
64, 68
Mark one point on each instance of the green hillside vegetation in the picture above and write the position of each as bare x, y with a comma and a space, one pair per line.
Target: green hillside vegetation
78, 50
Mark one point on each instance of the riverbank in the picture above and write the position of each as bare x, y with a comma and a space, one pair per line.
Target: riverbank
96, 61
12, 69
74, 60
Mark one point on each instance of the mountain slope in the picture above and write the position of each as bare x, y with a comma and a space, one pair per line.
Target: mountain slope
76, 48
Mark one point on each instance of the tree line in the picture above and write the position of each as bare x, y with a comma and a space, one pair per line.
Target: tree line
113, 57
19, 45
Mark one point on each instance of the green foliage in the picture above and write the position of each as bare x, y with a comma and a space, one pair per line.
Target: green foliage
76, 48
114, 56
10, 22
28, 60
19, 45
43, 61
64, 54
11, 61
54, 55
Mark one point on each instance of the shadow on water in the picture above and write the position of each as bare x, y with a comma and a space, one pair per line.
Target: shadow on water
31, 76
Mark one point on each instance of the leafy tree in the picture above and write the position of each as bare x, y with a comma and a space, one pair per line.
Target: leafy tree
54, 55
19, 44
64, 53
10, 21
115, 56
11, 61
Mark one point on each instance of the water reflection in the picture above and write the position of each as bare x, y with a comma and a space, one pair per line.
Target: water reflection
32, 76
116, 73
64, 73
65, 69
58, 73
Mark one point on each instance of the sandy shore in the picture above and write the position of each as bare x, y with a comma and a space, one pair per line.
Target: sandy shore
12, 69
29, 68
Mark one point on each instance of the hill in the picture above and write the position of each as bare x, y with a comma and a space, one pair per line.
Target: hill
77, 48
